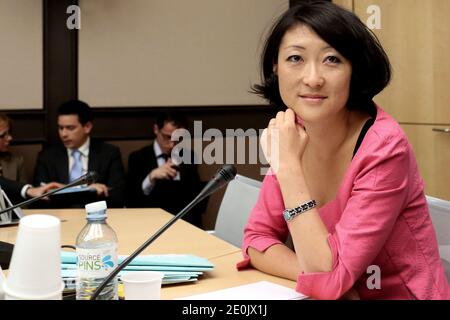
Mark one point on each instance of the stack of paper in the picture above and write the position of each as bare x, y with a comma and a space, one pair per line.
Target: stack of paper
176, 267
262, 290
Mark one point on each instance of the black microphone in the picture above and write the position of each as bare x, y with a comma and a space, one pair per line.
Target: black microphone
88, 178
221, 178
6, 248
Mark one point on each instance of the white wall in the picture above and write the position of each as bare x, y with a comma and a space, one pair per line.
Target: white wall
172, 52
21, 57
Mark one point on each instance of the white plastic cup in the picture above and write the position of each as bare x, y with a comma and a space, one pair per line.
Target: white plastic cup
35, 268
142, 285
2, 279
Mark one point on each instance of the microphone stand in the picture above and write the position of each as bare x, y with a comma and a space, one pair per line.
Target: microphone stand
197, 199
87, 178
6, 248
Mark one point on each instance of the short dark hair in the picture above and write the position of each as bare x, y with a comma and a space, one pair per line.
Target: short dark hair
344, 31
177, 117
76, 107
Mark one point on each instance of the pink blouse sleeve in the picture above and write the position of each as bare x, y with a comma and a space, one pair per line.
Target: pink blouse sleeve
266, 225
378, 196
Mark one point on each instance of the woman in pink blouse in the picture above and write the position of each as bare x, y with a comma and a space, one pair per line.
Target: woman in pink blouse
344, 181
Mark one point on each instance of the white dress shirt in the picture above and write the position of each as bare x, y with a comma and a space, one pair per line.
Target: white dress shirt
84, 150
147, 186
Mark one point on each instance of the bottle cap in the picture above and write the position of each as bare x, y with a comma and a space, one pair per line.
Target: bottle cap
96, 206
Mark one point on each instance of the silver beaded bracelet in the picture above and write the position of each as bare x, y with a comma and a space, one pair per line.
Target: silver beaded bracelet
290, 214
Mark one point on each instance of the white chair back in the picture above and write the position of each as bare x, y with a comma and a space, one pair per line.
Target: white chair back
440, 215
237, 203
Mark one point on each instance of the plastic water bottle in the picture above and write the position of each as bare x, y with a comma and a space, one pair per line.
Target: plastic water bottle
96, 254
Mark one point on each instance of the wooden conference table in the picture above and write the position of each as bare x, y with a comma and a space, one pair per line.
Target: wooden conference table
134, 226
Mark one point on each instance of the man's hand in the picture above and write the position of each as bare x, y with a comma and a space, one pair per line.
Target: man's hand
33, 192
101, 189
166, 171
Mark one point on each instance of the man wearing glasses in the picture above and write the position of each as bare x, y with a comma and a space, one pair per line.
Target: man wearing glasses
12, 171
155, 179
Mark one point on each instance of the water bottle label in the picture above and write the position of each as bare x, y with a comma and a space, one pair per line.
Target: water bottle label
96, 263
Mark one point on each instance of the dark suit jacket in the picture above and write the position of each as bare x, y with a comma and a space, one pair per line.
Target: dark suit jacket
13, 170
53, 165
12, 188
169, 195
12, 166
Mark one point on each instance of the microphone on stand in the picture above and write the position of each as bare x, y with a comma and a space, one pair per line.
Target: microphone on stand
6, 248
221, 178
88, 178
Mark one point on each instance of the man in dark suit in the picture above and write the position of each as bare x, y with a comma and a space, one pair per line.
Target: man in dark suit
156, 180
79, 154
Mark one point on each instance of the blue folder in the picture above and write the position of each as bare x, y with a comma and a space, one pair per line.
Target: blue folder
177, 268
186, 261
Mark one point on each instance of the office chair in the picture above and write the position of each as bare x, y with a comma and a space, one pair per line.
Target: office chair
238, 201
440, 215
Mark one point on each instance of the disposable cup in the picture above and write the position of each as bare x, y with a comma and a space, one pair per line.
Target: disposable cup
56, 296
35, 268
2, 279
142, 285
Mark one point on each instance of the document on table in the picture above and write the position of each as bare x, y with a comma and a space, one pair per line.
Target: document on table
263, 290
75, 189
177, 268
186, 261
